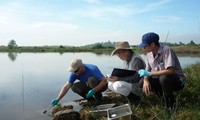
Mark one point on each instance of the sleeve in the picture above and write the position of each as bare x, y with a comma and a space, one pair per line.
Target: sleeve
169, 58
139, 64
97, 73
148, 67
72, 78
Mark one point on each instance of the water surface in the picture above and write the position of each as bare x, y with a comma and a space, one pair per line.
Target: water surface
29, 81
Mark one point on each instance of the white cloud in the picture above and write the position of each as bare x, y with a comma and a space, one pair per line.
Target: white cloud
105, 12
4, 20
166, 19
158, 4
110, 11
151, 7
7, 14
53, 26
91, 21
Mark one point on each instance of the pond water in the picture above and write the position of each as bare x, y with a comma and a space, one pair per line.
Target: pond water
29, 81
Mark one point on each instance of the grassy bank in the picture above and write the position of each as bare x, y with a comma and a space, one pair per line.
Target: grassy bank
187, 105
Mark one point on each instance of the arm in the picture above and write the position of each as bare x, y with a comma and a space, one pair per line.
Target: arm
167, 71
103, 82
64, 90
146, 86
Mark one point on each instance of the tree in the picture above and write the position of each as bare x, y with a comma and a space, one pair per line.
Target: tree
180, 43
98, 46
192, 43
12, 44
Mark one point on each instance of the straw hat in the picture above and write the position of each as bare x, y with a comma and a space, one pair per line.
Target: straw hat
121, 46
75, 64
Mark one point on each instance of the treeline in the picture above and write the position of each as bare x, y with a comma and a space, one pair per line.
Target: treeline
96, 47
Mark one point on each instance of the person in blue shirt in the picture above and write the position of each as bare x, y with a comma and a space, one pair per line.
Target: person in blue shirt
91, 82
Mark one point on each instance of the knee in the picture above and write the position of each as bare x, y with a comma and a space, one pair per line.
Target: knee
92, 82
110, 85
74, 88
119, 88
77, 87
163, 80
116, 86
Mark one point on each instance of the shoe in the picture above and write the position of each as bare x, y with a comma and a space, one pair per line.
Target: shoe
98, 101
90, 99
98, 98
132, 98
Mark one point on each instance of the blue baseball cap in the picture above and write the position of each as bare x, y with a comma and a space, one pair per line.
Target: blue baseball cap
149, 38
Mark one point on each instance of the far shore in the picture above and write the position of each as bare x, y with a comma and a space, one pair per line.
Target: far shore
192, 50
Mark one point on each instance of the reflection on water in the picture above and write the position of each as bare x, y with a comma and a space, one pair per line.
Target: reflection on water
12, 56
30, 82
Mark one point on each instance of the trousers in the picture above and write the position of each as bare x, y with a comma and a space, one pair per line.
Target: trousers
125, 88
82, 88
165, 85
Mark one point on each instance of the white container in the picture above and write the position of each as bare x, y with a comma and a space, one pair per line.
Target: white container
118, 112
101, 110
104, 107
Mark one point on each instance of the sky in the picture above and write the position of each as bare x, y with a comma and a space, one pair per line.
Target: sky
83, 22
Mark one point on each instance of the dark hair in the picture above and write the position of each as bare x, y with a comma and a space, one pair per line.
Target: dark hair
156, 43
129, 50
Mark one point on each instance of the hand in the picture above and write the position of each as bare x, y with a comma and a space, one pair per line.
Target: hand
90, 93
54, 102
113, 78
143, 73
146, 87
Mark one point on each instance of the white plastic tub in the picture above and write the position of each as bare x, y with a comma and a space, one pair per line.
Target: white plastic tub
118, 112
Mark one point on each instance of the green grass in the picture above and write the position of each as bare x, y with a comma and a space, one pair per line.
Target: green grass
187, 105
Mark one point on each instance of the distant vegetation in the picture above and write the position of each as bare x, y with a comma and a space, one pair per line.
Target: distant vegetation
191, 48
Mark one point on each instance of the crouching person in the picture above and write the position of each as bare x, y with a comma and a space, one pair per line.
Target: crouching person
163, 74
127, 86
91, 82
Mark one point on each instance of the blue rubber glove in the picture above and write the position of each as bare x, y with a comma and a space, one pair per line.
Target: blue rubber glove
90, 93
143, 73
54, 102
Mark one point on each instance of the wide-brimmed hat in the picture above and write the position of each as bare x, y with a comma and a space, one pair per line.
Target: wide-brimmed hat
75, 64
121, 46
149, 38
